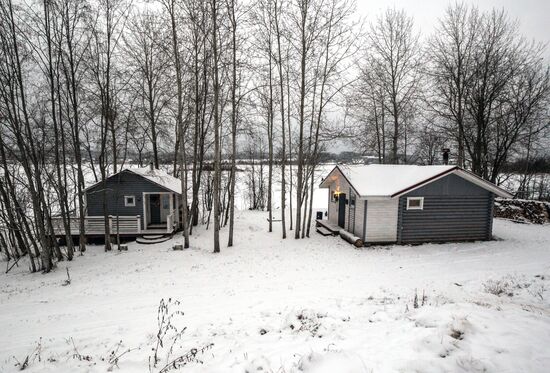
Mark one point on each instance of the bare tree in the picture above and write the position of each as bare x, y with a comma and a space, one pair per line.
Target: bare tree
366, 106
279, 61
489, 83
75, 47
304, 41
523, 114
263, 17
451, 61
200, 67
217, 125
232, 13
500, 61
395, 50
338, 45
13, 91
170, 6
146, 46
107, 32
323, 41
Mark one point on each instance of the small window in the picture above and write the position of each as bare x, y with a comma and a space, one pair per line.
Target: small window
129, 201
415, 203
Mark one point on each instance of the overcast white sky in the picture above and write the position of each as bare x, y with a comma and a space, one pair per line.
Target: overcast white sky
533, 15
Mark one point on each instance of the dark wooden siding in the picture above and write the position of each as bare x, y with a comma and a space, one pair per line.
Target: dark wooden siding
130, 184
454, 210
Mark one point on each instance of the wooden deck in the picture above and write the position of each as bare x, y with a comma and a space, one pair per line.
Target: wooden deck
326, 228
124, 225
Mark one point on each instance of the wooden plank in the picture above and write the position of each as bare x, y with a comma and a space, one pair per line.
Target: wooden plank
95, 225
329, 226
323, 231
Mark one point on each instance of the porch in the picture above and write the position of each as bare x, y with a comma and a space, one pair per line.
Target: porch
123, 225
159, 211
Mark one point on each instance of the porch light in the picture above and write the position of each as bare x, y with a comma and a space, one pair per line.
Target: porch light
336, 195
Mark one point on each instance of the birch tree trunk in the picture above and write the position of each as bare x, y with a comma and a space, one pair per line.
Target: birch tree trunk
217, 125
233, 21
283, 128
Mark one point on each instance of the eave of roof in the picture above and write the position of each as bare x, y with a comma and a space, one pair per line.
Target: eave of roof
470, 176
135, 173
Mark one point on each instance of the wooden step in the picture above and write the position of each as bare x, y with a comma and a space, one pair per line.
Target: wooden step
324, 231
157, 226
334, 229
150, 241
152, 236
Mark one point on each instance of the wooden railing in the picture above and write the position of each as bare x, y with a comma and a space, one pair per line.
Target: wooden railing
95, 225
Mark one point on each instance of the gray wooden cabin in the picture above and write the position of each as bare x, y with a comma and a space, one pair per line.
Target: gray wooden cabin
138, 200
408, 204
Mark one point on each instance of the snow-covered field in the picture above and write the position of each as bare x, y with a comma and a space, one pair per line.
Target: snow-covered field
268, 305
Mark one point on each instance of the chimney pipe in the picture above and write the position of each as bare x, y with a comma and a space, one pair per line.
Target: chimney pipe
445, 155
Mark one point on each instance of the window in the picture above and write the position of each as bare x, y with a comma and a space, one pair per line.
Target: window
129, 201
352, 200
415, 203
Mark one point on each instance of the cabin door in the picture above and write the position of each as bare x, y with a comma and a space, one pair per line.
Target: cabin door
342, 210
154, 208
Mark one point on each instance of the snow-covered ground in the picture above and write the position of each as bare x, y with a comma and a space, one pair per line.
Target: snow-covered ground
268, 305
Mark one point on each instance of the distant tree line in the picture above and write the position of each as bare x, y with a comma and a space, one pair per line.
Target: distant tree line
536, 165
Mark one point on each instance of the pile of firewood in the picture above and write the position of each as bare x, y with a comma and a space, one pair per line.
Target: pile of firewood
523, 211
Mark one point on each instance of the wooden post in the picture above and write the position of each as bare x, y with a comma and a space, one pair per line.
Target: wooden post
169, 223
138, 221
176, 211
171, 201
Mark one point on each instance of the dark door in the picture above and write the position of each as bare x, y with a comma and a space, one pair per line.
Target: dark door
154, 208
342, 210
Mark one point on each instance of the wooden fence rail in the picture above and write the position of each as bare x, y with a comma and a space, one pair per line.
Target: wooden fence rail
95, 225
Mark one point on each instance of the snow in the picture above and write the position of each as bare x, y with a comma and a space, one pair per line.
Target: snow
271, 305
386, 180
157, 176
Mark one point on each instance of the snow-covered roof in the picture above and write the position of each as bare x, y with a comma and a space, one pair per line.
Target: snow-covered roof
159, 177
378, 180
